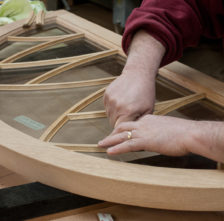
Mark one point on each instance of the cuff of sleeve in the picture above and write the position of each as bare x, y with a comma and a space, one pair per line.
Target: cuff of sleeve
161, 32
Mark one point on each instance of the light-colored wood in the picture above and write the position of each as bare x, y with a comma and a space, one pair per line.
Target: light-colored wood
30, 20
53, 86
35, 39
195, 81
60, 69
87, 115
131, 213
89, 148
54, 127
49, 62
40, 18
41, 47
147, 186
73, 212
139, 185
165, 107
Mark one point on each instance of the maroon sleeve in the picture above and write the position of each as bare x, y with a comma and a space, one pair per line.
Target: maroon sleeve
175, 23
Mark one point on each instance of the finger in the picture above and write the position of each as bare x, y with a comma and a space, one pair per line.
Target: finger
115, 139
125, 126
125, 147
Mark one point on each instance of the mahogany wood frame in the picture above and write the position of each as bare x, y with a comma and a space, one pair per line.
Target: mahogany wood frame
146, 186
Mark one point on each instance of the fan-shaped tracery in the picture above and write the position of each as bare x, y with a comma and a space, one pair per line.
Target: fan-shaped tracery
59, 167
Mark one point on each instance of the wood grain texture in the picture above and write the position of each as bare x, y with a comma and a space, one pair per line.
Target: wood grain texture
146, 186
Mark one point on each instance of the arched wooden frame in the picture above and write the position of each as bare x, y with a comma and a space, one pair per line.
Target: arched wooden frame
147, 186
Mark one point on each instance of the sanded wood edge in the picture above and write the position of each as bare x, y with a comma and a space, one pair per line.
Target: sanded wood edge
165, 107
53, 86
41, 46
58, 123
113, 181
84, 60
42, 63
88, 148
37, 39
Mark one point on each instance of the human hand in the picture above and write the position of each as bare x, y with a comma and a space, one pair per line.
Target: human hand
161, 134
130, 96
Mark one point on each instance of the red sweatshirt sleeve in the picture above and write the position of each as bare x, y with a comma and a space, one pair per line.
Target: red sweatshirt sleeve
175, 23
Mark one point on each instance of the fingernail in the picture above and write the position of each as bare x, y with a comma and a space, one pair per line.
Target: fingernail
100, 142
110, 150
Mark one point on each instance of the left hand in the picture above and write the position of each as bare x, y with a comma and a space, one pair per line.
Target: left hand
162, 134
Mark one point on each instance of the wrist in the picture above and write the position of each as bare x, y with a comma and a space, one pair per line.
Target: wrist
145, 55
207, 140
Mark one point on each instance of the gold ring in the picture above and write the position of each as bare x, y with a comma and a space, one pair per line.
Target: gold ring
129, 135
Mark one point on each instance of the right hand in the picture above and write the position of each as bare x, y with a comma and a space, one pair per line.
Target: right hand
132, 94
129, 97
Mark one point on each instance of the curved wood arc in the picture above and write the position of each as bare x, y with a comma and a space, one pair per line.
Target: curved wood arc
58, 70
37, 39
57, 124
42, 63
89, 148
119, 182
41, 46
53, 86
165, 107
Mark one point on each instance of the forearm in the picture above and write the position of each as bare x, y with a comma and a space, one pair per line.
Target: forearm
144, 56
208, 140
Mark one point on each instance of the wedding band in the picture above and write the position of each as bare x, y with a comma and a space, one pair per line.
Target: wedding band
129, 135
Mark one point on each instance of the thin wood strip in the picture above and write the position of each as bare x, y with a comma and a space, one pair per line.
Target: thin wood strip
40, 18
89, 148
161, 108
58, 70
41, 46
30, 20
87, 115
52, 86
37, 39
57, 124
49, 62
165, 107
195, 81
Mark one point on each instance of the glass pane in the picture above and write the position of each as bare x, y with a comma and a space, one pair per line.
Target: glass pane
103, 68
21, 76
47, 30
11, 48
201, 110
38, 107
66, 49
166, 90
